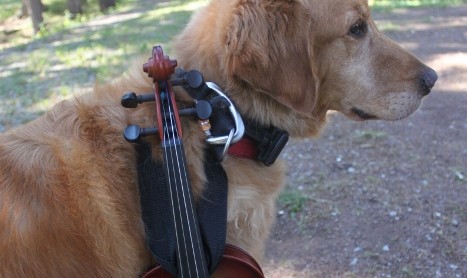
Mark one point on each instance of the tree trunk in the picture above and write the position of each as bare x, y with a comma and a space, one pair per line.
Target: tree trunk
35, 9
23, 12
75, 7
104, 5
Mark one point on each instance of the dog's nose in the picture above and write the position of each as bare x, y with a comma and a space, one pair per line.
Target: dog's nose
428, 80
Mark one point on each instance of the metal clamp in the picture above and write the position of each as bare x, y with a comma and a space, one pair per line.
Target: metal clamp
239, 129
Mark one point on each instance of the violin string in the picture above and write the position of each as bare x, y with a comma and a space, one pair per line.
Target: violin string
186, 182
166, 136
190, 200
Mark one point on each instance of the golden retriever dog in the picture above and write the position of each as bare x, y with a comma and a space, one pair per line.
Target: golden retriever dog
69, 201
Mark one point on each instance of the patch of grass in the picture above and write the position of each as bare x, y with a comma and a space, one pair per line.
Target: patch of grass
9, 8
57, 18
392, 4
64, 59
369, 135
293, 200
296, 203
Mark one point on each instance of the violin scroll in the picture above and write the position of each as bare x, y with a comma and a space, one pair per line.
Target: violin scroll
159, 67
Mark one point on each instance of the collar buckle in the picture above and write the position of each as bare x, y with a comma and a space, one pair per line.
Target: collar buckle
271, 146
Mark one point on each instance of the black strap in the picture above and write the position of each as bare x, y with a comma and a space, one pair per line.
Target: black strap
155, 201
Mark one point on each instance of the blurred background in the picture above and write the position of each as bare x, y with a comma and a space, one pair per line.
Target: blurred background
366, 199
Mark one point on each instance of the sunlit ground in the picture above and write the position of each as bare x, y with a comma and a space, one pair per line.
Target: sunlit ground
454, 65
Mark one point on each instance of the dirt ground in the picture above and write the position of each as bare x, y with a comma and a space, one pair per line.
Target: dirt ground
385, 199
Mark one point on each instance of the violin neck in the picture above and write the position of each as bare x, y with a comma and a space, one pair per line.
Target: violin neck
191, 259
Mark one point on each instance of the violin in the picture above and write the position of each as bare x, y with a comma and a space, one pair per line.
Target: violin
190, 255
235, 263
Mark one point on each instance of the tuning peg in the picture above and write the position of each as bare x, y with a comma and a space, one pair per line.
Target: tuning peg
134, 133
131, 100
203, 109
194, 81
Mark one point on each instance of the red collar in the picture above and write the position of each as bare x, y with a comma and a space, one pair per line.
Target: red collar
245, 148
261, 144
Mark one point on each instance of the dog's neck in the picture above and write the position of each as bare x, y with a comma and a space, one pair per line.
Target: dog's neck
260, 107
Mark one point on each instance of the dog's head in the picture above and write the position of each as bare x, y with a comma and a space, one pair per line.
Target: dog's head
309, 55
361, 72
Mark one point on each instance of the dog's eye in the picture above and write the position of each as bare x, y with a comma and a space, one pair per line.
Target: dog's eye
358, 30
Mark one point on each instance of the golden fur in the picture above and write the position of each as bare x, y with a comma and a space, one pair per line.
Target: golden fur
68, 190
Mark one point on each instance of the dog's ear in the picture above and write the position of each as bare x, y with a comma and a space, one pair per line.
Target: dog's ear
268, 49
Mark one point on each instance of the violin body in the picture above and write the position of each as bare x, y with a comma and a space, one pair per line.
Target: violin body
235, 263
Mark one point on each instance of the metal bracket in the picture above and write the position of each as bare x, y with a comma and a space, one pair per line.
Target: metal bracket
239, 129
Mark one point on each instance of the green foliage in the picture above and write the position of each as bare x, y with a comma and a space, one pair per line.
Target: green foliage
390, 4
367, 135
71, 55
8, 8
293, 200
